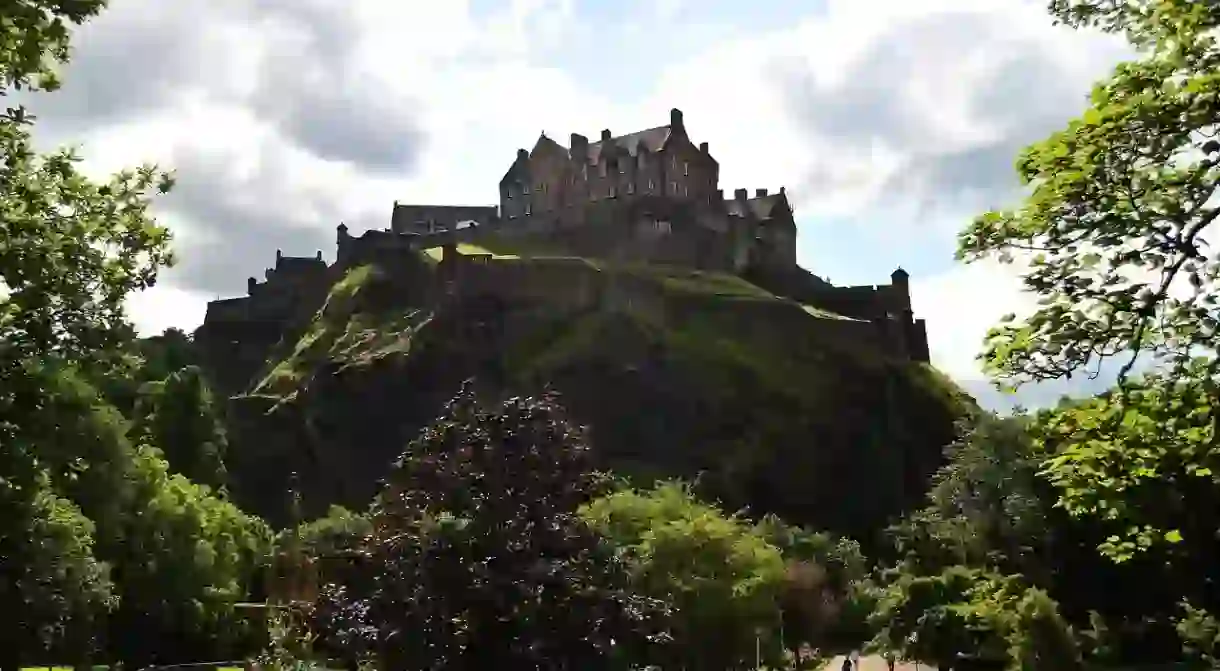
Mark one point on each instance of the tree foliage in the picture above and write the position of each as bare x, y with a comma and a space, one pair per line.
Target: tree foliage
478, 558
1117, 224
340, 531
70, 252
179, 555
722, 575
1117, 236
179, 414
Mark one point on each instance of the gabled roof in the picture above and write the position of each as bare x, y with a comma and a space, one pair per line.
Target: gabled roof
760, 207
652, 139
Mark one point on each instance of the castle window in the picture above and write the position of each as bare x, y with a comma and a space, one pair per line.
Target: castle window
651, 185
685, 168
602, 168
630, 188
673, 188
685, 190
663, 226
525, 188
613, 193
527, 208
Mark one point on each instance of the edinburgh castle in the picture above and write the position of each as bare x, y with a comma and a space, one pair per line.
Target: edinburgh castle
650, 197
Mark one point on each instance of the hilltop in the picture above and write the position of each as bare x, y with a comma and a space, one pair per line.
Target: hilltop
782, 406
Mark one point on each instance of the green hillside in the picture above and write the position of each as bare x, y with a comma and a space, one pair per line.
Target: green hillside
725, 382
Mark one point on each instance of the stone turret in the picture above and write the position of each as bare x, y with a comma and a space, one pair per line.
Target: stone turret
900, 279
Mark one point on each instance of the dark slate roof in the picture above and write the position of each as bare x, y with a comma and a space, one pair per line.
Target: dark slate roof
763, 206
653, 139
760, 207
291, 263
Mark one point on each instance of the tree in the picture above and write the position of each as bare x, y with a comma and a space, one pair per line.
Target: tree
936, 619
1116, 225
340, 531
1041, 640
720, 572
179, 555
62, 589
70, 251
179, 414
1142, 464
183, 559
478, 558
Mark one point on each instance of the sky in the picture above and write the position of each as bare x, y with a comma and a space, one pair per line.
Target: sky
891, 123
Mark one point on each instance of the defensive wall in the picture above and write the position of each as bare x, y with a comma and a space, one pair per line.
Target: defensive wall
575, 284
241, 330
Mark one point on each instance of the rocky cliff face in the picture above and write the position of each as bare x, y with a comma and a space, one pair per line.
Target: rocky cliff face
773, 405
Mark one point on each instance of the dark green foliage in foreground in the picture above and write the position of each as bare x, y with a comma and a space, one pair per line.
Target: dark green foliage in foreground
478, 558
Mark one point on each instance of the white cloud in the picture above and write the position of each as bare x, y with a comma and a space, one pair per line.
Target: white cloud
960, 305
163, 307
840, 106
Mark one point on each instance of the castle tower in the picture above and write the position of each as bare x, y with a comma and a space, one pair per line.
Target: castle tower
900, 280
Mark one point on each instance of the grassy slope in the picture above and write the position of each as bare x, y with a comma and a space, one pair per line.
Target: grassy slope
763, 412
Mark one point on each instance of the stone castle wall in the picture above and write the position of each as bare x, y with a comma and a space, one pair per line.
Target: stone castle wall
572, 284
246, 328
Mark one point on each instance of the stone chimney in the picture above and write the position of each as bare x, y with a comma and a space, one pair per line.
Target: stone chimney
605, 135
703, 147
579, 146
341, 229
675, 118
741, 194
759, 193
251, 283
781, 191
523, 155
318, 257
720, 194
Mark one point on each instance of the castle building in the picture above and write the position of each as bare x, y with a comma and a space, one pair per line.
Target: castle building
647, 179
650, 196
